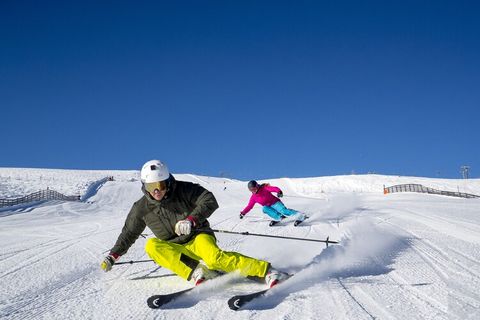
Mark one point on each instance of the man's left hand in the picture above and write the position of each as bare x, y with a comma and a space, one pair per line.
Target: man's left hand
183, 227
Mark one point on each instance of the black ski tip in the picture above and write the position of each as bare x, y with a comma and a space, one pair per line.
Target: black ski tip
235, 303
157, 301
297, 222
154, 302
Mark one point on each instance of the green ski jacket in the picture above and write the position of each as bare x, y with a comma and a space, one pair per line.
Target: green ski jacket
182, 200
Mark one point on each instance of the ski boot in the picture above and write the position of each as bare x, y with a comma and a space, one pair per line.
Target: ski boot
274, 222
202, 273
274, 277
300, 218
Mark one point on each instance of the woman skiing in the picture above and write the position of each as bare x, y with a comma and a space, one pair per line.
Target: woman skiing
272, 206
176, 212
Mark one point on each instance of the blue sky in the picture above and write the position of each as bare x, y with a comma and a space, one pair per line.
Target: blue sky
249, 89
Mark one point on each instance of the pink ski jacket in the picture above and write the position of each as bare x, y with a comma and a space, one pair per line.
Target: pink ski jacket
262, 197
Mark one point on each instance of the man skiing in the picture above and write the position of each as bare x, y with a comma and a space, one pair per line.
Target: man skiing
272, 206
176, 212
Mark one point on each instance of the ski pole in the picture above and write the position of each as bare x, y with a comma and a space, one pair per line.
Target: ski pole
246, 233
132, 262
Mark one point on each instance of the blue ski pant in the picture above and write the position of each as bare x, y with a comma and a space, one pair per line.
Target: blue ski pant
277, 210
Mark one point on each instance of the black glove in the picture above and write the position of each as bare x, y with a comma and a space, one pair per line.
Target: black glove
280, 194
241, 215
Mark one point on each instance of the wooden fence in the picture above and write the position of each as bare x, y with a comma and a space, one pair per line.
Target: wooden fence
41, 195
422, 189
44, 195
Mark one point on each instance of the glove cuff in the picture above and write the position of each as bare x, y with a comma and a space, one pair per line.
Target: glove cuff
114, 255
193, 220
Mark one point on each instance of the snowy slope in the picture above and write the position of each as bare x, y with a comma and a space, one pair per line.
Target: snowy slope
401, 255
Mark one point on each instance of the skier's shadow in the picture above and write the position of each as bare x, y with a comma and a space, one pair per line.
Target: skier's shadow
154, 277
150, 275
322, 263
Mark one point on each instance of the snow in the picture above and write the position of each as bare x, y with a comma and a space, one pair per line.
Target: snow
400, 256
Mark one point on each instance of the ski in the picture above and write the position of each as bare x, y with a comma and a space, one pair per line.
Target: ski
158, 300
238, 301
295, 223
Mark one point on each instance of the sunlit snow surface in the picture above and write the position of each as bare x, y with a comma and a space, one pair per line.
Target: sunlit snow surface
401, 256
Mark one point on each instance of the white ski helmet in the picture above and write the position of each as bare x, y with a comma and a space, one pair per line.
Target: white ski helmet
154, 171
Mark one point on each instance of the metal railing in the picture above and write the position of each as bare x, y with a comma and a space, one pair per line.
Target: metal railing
422, 189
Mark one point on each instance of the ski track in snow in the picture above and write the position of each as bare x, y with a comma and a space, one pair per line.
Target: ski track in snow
401, 256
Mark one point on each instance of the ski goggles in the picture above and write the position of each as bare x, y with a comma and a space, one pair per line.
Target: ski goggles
253, 189
152, 186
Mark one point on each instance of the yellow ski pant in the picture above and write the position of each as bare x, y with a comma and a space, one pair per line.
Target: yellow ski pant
183, 258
